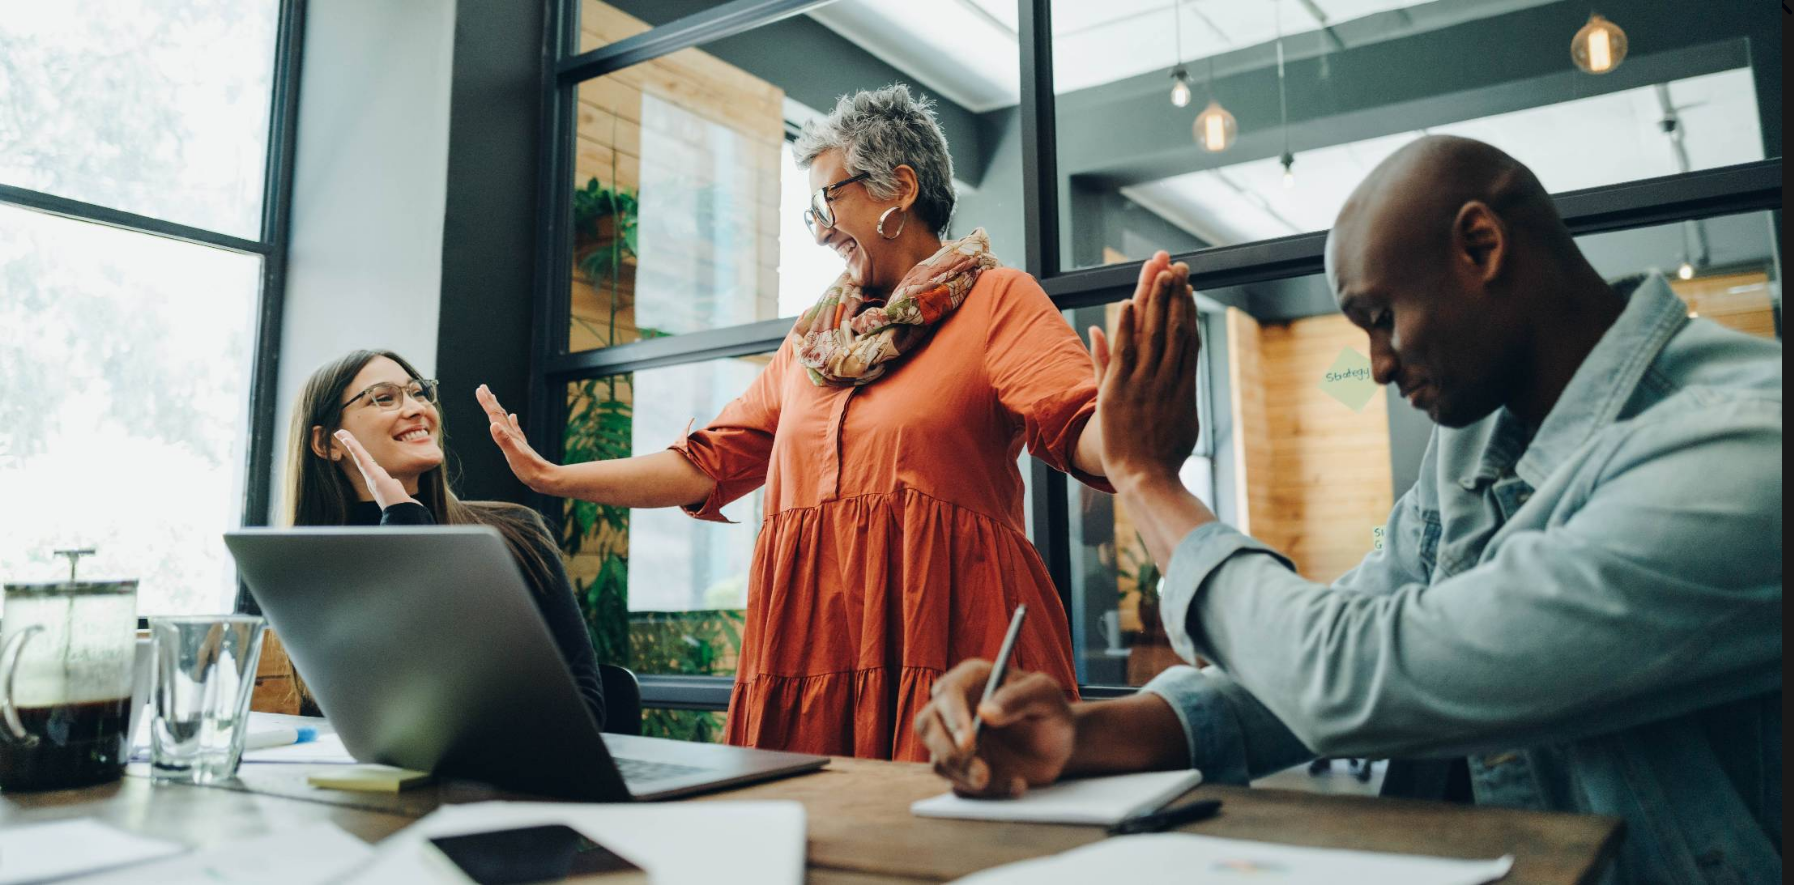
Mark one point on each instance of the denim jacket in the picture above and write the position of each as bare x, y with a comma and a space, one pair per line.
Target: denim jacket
1592, 616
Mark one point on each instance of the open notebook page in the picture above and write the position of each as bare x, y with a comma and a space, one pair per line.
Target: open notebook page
1096, 800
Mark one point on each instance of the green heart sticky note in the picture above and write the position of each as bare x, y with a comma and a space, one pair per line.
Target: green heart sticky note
1348, 380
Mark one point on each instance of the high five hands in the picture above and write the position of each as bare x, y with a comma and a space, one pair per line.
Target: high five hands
536, 471
1146, 377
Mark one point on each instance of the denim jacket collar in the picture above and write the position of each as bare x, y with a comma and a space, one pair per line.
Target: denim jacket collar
1601, 387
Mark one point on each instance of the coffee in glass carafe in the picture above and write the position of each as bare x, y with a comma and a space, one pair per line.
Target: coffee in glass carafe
66, 652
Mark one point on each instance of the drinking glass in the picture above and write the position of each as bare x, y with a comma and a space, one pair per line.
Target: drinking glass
204, 674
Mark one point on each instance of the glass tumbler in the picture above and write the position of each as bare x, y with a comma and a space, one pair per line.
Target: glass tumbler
204, 674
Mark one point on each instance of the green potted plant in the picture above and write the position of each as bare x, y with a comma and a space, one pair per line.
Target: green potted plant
604, 229
1146, 577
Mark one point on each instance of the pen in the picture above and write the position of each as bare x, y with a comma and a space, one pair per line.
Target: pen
999, 669
1165, 820
282, 736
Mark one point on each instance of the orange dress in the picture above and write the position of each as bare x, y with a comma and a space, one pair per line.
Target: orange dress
894, 545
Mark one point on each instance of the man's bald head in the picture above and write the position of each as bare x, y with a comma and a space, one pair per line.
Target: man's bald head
1449, 256
1410, 201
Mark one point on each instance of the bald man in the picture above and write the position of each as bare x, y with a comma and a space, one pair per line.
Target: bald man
1582, 593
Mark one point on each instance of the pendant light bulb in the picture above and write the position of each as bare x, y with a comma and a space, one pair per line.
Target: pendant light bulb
1180, 87
1289, 170
1685, 272
1599, 47
1215, 128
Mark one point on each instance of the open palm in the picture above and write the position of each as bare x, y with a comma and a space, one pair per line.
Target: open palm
535, 471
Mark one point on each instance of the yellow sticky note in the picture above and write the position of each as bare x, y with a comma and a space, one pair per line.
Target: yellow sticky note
1376, 538
368, 778
1349, 380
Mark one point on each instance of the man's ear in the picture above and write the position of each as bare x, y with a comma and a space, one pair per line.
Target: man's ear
321, 444
1480, 240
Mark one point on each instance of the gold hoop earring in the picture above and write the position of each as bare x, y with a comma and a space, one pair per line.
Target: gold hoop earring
887, 214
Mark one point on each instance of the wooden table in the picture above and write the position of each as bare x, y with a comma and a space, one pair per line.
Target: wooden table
860, 828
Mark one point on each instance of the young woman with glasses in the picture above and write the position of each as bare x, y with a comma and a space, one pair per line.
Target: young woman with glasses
366, 450
886, 431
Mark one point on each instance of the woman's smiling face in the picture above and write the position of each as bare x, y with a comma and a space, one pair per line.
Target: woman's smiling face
406, 441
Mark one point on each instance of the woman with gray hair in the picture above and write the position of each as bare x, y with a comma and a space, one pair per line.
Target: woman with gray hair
886, 430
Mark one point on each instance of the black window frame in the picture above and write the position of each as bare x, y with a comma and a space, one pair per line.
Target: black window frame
1754, 186
270, 244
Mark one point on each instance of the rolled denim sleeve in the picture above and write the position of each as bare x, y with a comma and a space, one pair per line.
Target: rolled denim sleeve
1651, 588
1402, 561
1200, 552
1232, 737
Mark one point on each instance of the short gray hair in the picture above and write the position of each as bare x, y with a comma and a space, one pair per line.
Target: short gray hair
879, 130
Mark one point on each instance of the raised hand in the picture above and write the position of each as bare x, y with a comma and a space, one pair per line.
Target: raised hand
1027, 737
535, 471
1146, 380
386, 490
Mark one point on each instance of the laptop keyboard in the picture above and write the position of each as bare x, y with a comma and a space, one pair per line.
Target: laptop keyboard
641, 771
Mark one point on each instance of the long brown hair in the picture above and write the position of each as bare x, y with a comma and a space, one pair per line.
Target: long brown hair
318, 493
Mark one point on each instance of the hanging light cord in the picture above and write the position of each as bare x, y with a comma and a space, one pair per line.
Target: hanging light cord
1282, 88
1177, 31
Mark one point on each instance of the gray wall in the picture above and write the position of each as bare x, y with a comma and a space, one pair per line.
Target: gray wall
369, 181
1102, 217
995, 204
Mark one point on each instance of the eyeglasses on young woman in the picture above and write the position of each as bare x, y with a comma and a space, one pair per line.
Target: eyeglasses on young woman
389, 397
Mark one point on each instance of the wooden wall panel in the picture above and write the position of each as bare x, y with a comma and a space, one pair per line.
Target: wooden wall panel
1313, 476
1251, 442
1737, 300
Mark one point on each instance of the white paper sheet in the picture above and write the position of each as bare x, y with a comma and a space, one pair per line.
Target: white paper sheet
742, 843
1094, 800
38, 852
1182, 858
309, 855
328, 749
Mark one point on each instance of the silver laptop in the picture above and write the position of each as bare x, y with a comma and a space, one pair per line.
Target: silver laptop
423, 648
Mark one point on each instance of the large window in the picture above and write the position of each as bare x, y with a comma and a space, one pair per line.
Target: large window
677, 253
140, 256
157, 108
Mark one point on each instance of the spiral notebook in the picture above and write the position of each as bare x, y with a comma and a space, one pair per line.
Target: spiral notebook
1103, 801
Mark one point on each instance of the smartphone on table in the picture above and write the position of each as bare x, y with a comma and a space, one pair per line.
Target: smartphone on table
551, 853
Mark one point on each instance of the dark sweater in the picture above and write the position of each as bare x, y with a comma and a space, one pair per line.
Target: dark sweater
554, 599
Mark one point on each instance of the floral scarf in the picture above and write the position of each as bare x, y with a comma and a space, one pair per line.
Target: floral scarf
845, 346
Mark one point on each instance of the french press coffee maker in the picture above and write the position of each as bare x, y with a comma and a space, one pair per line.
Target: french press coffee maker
66, 652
